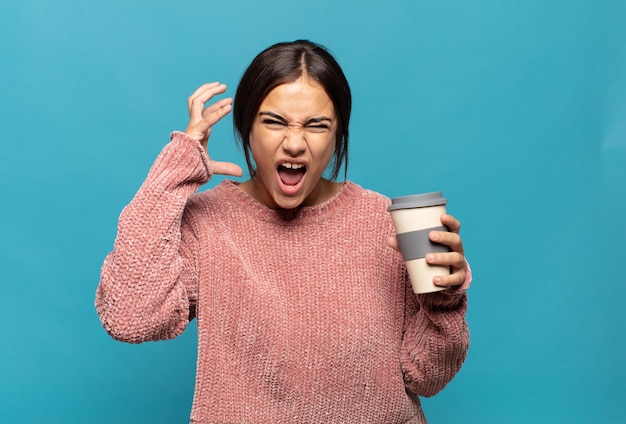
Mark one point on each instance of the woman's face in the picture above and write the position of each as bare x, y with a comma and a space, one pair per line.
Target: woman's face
292, 141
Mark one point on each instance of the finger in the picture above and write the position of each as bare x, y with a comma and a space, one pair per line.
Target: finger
455, 279
392, 241
453, 240
202, 89
226, 168
196, 102
451, 222
202, 130
455, 260
212, 114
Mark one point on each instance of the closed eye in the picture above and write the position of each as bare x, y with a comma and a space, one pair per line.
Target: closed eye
274, 124
274, 121
318, 128
318, 125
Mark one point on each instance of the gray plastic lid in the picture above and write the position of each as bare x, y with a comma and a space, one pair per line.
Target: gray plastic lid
417, 201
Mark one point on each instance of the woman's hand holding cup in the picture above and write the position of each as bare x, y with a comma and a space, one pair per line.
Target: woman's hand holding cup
428, 238
455, 259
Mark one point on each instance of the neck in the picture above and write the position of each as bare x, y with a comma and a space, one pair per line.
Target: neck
323, 191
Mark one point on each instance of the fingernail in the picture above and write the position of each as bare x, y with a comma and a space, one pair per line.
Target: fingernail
430, 258
434, 235
437, 280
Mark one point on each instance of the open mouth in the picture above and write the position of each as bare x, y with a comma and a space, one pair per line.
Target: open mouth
291, 174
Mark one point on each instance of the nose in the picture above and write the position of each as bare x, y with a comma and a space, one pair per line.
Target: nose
294, 141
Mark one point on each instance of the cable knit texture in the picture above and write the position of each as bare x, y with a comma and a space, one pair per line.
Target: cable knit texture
304, 316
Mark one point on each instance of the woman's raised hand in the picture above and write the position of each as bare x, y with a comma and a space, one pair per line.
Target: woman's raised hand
202, 118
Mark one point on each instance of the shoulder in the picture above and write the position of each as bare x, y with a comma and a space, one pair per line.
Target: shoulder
368, 206
209, 202
367, 196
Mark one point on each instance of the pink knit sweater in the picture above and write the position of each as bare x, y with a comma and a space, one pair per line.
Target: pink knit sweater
304, 316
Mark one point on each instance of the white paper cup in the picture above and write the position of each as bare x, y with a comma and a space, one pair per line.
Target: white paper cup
414, 217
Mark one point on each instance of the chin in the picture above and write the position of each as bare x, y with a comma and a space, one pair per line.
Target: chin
290, 203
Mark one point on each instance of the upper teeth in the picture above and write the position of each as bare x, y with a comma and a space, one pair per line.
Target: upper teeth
292, 165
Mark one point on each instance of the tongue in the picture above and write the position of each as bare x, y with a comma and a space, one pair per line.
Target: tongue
290, 176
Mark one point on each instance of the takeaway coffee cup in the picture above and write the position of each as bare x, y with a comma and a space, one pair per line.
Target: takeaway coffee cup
414, 217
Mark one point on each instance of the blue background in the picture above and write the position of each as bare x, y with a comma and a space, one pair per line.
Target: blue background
515, 110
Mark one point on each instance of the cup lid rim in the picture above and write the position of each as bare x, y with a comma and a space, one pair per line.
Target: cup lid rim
422, 200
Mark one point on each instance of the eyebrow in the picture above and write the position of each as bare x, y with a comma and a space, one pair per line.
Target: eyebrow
273, 115
315, 120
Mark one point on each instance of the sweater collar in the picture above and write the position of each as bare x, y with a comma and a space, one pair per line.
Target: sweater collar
298, 216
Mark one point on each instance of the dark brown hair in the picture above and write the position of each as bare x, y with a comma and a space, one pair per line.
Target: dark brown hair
284, 63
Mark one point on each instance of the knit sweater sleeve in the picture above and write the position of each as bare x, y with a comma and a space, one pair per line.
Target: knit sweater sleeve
148, 284
436, 339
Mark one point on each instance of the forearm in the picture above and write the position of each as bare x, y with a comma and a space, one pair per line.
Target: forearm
435, 342
142, 295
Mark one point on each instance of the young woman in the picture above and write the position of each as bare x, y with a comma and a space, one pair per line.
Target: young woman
303, 305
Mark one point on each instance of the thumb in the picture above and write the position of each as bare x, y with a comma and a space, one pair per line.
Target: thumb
392, 241
226, 168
